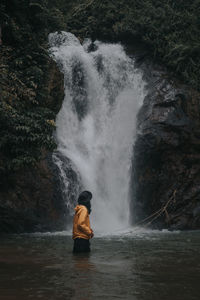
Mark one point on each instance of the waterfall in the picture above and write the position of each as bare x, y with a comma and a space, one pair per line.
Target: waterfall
96, 125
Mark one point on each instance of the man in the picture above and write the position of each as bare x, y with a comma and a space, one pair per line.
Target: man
82, 231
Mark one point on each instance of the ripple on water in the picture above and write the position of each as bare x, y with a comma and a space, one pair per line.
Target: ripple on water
134, 264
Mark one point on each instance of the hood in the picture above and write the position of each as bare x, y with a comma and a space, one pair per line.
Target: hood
85, 204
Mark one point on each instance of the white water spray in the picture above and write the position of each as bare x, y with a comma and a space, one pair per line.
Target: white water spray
96, 125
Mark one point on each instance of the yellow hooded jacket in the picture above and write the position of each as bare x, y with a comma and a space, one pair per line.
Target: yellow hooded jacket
81, 224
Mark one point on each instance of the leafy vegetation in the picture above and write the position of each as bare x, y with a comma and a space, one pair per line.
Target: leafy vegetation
27, 113
24, 134
170, 29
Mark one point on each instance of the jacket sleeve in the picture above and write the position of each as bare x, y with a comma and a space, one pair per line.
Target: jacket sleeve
82, 222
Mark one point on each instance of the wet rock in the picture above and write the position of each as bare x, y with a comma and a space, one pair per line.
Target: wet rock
29, 198
68, 184
29, 203
196, 211
166, 162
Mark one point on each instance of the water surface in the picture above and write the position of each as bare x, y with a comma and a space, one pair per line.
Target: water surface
140, 265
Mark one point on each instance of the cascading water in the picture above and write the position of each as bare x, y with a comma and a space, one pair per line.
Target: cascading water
96, 124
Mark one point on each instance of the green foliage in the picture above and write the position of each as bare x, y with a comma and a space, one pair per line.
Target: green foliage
23, 134
28, 20
170, 29
26, 123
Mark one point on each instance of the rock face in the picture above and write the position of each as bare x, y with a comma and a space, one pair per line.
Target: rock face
32, 202
30, 198
166, 162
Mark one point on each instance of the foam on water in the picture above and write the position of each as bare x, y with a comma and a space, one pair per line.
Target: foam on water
128, 233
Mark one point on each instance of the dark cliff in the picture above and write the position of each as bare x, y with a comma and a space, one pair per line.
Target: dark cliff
165, 176
31, 94
166, 162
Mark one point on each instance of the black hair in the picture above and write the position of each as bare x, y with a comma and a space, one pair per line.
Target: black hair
84, 199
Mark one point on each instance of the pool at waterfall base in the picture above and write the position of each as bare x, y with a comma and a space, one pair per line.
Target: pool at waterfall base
138, 264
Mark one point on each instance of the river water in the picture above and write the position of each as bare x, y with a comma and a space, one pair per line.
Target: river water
137, 265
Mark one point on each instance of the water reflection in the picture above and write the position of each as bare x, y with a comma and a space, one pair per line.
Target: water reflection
83, 263
84, 270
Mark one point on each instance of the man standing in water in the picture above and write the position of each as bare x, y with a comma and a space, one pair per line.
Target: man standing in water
82, 231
